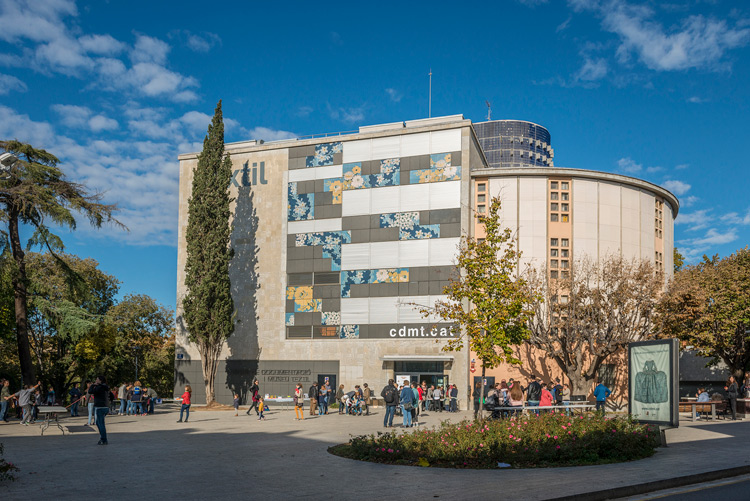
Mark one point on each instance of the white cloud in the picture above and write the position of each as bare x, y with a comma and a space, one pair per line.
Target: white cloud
103, 45
695, 100
715, 237
393, 94
681, 166
83, 118
629, 165
304, 111
564, 25
592, 69
9, 83
676, 187
737, 219
349, 115
696, 42
695, 220
149, 50
269, 134
35, 20
688, 201
204, 42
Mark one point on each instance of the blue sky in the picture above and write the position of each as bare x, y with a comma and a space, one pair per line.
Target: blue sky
117, 89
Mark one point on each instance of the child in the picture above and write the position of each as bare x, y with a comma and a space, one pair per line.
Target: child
261, 407
236, 404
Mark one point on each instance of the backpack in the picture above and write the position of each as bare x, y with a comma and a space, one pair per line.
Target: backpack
389, 394
559, 394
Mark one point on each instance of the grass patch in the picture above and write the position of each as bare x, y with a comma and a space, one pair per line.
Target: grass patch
550, 439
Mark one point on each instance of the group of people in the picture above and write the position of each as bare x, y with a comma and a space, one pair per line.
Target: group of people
411, 399
356, 402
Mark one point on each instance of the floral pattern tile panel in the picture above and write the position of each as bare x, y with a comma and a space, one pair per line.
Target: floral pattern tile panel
307, 305
323, 154
408, 225
331, 241
435, 175
440, 160
376, 276
349, 331
300, 207
330, 318
336, 187
390, 173
353, 177
289, 320
299, 292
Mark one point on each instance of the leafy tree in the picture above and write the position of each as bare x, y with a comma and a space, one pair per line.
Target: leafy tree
208, 306
592, 313
487, 302
36, 194
708, 306
679, 260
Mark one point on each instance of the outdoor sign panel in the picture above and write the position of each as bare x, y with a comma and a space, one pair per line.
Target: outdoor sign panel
404, 379
653, 381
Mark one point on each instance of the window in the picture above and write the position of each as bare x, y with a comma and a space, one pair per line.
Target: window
553, 185
300, 279
553, 263
564, 264
563, 299
553, 274
554, 218
565, 218
480, 240
327, 278
481, 209
553, 252
565, 207
481, 187
481, 198
565, 242
553, 195
554, 206
565, 196
564, 253
564, 185
565, 274
553, 242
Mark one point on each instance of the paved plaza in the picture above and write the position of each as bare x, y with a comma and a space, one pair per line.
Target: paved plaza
219, 456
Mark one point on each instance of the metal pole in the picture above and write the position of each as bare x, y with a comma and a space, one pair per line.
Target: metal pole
429, 109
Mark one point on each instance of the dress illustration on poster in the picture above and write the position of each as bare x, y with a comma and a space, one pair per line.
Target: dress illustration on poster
651, 385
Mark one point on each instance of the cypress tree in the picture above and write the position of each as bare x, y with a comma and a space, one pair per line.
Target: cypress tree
208, 307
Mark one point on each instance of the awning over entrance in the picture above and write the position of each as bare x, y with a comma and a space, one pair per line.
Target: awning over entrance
417, 358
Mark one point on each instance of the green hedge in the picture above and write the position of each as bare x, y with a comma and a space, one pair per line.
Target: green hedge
550, 439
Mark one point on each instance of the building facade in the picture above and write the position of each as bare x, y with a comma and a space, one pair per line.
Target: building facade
338, 241
515, 143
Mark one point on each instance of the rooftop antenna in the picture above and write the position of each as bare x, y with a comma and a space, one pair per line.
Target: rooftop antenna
489, 111
429, 106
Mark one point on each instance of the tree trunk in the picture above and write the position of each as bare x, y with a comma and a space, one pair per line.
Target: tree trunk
481, 394
209, 363
578, 384
19, 292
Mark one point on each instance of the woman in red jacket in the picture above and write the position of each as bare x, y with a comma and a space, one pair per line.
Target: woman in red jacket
185, 403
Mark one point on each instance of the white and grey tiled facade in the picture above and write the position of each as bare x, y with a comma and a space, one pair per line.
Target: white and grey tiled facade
335, 242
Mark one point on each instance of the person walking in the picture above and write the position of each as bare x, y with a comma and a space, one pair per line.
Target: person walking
75, 397
313, 394
101, 396
299, 402
407, 404
390, 397
185, 407
254, 392
601, 393
732, 390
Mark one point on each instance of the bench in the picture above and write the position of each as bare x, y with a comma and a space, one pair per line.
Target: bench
715, 407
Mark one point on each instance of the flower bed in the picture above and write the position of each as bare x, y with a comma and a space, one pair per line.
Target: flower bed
525, 442
7, 470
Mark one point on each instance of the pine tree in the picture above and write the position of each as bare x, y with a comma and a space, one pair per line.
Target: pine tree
208, 306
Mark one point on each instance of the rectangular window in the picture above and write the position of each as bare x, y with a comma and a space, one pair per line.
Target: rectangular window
553, 185
554, 218
564, 185
554, 206
553, 263
481, 198
565, 242
481, 209
480, 240
564, 253
565, 207
564, 264
553, 252
327, 278
564, 299
481, 187
565, 218
553, 195
553, 242
565, 274
300, 279
565, 196
553, 274
302, 331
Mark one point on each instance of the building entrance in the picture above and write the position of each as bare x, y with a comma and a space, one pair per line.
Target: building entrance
432, 373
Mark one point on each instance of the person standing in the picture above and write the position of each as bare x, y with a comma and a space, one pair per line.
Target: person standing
75, 397
24, 401
122, 394
415, 407
367, 396
601, 393
566, 397
89, 401
151, 396
407, 404
236, 403
436, 395
4, 399
746, 385
533, 392
454, 398
390, 397
254, 392
299, 402
101, 396
732, 389
185, 407
313, 393
138, 399
339, 396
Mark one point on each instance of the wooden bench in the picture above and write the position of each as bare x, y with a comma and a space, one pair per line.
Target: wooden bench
715, 408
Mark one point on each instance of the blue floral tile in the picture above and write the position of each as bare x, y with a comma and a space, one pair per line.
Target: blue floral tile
330, 318
331, 241
408, 225
323, 154
307, 305
349, 331
336, 187
376, 276
419, 232
390, 173
300, 207
289, 320
353, 177
440, 160
452, 173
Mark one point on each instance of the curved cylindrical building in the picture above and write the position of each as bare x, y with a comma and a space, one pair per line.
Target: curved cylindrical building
515, 143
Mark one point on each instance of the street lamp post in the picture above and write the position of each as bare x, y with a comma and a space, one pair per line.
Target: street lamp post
135, 350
